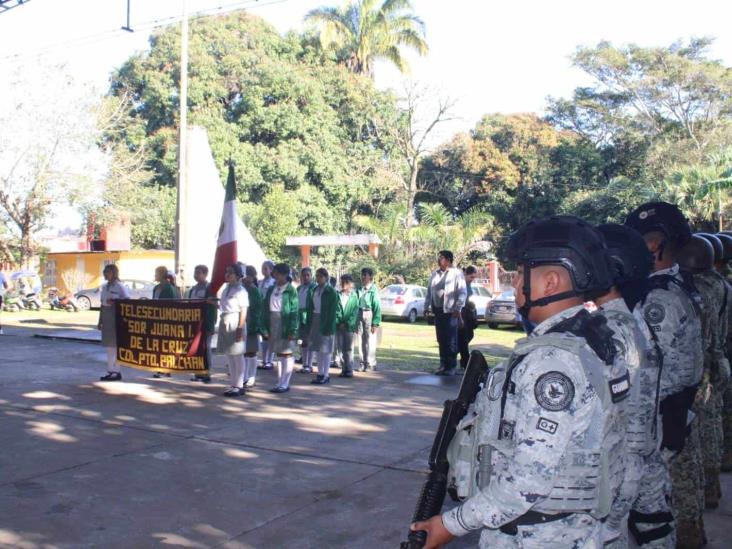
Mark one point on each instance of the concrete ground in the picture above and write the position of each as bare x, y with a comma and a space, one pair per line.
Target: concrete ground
167, 462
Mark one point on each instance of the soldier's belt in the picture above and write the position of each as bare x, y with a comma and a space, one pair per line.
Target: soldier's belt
530, 518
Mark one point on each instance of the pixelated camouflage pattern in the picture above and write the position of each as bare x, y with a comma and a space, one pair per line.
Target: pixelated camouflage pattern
672, 318
687, 493
528, 461
654, 496
636, 350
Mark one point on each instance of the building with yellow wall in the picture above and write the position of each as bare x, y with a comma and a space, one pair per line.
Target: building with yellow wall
74, 271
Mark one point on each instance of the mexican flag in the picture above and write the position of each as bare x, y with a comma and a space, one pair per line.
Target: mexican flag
226, 248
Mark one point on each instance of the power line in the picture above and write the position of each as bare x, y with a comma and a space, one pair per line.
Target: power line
95, 38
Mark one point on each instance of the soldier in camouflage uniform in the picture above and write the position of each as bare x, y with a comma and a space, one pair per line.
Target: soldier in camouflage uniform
632, 263
671, 308
716, 374
557, 431
724, 269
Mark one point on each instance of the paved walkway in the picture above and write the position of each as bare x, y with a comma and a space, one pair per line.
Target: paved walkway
170, 463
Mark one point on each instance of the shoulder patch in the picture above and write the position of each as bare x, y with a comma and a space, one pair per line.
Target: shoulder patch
554, 391
654, 313
547, 425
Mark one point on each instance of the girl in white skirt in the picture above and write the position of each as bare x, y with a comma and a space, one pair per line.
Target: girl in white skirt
232, 328
111, 291
280, 316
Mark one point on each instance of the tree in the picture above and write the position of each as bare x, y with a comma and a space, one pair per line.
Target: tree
408, 135
282, 111
47, 150
656, 104
365, 30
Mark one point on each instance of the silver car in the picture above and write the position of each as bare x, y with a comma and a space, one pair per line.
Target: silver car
90, 298
502, 310
403, 300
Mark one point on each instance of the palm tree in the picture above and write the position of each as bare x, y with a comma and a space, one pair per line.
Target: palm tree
362, 31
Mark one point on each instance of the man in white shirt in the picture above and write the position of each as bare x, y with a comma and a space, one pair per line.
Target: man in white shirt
446, 296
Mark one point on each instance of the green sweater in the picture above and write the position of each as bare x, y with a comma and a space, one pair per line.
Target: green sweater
369, 299
254, 313
165, 290
348, 315
290, 312
304, 310
328, 309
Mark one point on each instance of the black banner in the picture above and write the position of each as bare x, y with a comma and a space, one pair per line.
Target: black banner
162, 335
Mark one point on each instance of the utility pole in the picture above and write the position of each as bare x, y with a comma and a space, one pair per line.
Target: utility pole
181, 242
127, 27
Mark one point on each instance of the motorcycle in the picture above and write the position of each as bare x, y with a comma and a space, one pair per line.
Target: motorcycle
12, 303
61, 302
31, 302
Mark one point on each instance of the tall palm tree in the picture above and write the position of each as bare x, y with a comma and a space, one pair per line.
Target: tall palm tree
362, 31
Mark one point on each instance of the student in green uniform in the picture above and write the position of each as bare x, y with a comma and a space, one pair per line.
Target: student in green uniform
346, 324
254, 326
280, 316
321, 316
202, 290
304, 291
163, 290
369, 319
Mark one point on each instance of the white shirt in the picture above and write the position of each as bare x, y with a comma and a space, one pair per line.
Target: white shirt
198, 291
317, 298
111, 291
265, 284
234, 299
275, 301
344, 298
302, 295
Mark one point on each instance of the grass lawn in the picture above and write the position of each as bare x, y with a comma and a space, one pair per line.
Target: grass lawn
407, 346
403, 346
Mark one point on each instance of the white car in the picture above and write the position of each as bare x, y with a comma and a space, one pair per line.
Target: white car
481, 298
403, 300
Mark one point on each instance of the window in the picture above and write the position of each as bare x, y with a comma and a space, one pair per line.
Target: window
49, 273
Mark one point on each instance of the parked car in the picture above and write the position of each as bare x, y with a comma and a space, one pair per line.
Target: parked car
89, 299
481, 297
502, 310
403, 300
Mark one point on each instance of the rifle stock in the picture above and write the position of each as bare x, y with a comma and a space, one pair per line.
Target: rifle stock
434, 488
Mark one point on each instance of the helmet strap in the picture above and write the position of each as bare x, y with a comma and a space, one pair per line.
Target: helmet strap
525, 309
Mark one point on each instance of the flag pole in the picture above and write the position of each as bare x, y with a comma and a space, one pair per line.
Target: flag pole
181, 241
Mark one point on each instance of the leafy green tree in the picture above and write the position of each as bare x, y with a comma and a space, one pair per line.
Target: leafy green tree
362, 31
280, 108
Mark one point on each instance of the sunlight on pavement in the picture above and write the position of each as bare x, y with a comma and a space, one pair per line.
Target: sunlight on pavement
51, 431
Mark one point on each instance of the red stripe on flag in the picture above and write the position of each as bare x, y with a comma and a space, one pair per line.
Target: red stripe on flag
225, 255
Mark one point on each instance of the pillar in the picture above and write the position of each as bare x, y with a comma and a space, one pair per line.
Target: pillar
374, 251
305, 255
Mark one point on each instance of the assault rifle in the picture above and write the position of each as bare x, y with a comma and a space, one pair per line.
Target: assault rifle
434, 489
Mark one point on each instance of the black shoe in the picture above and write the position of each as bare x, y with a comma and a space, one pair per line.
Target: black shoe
320, 380
233, 392
157, 375
205, 379
111, 376
447, 373
335, 365
298, 360
440, 371
195, 378
279, 389
362, 368
249, 384
267, 366
305, 370
347, 373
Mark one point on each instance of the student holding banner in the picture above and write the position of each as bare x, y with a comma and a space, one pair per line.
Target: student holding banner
202, 290
232, 328
164, 289
254, 326
321, 318
112, 290
280, 316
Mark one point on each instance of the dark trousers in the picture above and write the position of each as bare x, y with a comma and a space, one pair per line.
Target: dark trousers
446, 327
465, 336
